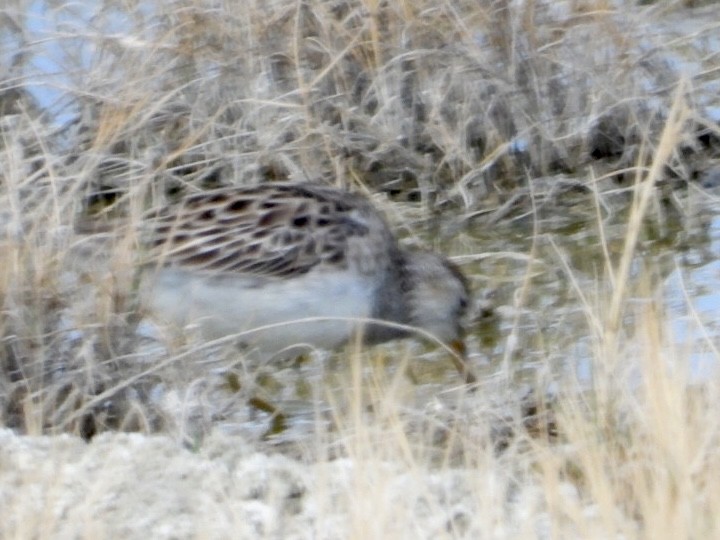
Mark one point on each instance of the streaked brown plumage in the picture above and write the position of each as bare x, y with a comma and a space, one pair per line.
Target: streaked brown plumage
238, 258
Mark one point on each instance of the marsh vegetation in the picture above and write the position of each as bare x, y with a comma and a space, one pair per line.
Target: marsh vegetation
564, 154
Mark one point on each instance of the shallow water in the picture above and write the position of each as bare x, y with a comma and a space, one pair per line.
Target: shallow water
692, 296
547, 300
549, 289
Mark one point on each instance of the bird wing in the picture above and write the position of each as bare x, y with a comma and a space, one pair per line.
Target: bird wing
275, 231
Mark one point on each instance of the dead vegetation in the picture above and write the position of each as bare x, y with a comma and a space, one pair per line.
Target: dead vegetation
464, 116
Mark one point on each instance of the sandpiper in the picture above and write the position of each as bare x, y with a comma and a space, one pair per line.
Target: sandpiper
283, 264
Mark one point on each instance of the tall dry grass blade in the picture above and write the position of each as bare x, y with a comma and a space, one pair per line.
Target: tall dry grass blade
644, 191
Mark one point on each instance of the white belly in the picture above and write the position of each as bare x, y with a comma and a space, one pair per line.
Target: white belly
235, 305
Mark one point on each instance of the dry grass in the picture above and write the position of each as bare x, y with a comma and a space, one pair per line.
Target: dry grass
461, 119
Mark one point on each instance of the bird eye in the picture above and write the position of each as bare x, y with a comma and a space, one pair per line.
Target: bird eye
463, 304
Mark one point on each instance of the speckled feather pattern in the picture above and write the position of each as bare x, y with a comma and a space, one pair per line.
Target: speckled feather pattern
242, 257
279, 231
